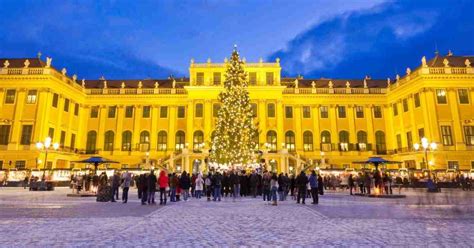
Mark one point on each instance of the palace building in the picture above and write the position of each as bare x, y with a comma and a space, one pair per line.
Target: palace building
328, 123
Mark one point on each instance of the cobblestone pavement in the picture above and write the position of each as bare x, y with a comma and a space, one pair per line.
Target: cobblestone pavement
50, 219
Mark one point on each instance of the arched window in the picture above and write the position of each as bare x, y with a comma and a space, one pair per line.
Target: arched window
144, 141
272, 140
290, 141
91, 142
162, 141
380, 142
127, 141
180, 137
198, 141
325, 137
326, 141
362, 140
344, 140
307, 141
109, 141
256, 140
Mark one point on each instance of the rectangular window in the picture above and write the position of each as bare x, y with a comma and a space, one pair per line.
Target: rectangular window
341, 111
359, 111
26, 132
469, 135
4, 134
146, 111
417, 100
306, 112
395, 109
269, 77
181, 111
288, 112
55, 100
252, 78
199, 78
66, 105
111, 113
10, 96
215, 109
421, 133
128, 111
73, 141
405, 105
31, 98
441, 96
463, 96
377, 112
20, 164
76, 109
324, 111
271, 110
472, 165
1, 164
199, 110
51, 133
94, 111
447, 135
217, 78
453, 165
254, 109
62, 139
399, 141
163, 112
409, 140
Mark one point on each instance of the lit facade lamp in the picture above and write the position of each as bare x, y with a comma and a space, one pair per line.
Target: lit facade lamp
426, 146
46, 146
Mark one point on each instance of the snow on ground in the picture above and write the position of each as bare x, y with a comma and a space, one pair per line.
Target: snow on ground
50, 219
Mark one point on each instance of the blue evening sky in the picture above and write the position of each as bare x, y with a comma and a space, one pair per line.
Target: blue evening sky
314, 38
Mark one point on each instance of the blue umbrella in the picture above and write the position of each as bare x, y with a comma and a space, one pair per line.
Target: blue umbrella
376, 161
96, 160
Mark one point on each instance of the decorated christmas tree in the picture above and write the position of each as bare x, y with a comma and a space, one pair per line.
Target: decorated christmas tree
233, 144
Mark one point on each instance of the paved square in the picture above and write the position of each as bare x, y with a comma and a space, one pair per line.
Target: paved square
45, 219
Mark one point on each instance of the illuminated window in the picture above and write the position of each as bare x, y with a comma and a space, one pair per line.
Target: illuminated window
4, 134
469, 135
441, 96
463, 96
362, 140
144, 141
344, 140
127, 141
109, 141
359, 111
447, 136
162, 141
290, 141
377, 112
324, 111
306, 112
10, 96
453, 165
180, 138
20, 164
272, 140
198, 141
326, 141
307, 141
32, 95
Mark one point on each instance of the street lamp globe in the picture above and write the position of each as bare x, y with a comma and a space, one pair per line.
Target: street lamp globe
39, 145
433, 146
55, 146
47, 142
416, 146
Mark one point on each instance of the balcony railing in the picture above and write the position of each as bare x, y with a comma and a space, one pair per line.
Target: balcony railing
335, 91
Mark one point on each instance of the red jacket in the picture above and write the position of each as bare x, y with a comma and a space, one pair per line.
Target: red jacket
163, 180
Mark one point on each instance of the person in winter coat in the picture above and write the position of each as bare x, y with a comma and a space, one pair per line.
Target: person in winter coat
351, 183
217, 186
115, 186
301, 182
199, 185
266, 185
173, 184
253, 184
313, 183
320, 185
185, 183
368, 183
234, 180
274, 188
126, 179
208, 184
144, 185
163, 184
151, 187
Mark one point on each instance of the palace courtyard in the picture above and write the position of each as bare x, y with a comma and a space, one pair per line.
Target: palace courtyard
50, 219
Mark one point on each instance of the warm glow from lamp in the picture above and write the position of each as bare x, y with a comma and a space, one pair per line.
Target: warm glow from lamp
55, 146
39, 145
433, 146
47, 142
416, 146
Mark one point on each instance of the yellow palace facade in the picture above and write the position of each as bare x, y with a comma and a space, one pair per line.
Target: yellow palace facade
169, 122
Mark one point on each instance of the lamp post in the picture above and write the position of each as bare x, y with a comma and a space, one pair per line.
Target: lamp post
426, 146
147, 160
45, 146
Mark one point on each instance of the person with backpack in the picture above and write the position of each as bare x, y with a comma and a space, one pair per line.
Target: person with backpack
163, 184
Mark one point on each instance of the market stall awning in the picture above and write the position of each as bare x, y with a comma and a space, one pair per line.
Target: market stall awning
96, 160
376, 160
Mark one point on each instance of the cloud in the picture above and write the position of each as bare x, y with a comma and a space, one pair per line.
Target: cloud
327, 44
